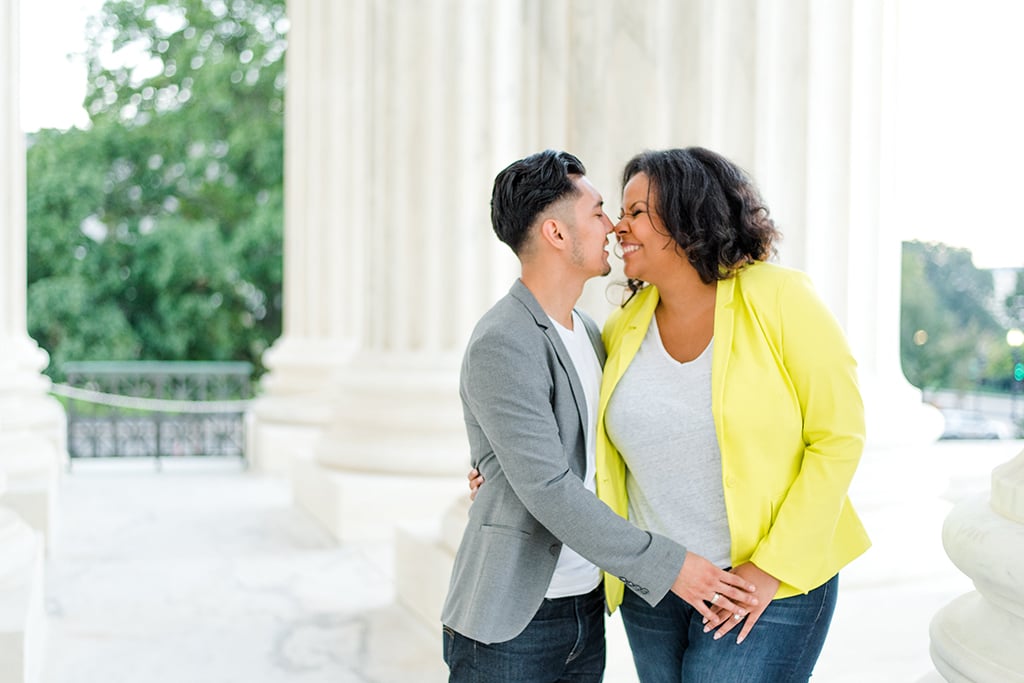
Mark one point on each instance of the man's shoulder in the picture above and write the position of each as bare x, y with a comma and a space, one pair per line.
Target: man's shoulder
505, 311
508, 321
508, 348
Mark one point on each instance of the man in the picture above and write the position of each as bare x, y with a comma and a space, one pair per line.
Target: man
521, 605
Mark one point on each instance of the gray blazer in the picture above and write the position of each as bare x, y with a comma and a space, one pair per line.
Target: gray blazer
526, 418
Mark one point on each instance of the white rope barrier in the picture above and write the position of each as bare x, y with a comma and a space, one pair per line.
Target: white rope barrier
151, 404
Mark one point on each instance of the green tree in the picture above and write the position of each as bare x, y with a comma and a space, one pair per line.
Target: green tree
948, 335
157, 232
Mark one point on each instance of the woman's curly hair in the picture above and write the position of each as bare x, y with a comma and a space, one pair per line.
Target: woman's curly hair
711, 208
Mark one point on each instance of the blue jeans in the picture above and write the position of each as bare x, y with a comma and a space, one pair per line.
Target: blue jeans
669, 644
563, 642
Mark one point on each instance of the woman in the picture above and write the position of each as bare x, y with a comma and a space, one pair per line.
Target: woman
730, 421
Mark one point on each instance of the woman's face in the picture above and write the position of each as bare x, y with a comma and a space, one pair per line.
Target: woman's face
648, 251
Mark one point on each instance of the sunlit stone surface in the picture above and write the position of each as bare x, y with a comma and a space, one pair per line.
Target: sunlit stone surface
978, 636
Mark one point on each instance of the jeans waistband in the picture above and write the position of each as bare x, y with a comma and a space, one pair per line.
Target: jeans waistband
597, 591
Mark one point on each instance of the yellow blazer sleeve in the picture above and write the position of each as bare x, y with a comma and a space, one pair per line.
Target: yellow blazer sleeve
815, 531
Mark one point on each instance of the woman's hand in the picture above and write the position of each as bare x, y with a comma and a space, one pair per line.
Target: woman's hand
766, 586
476, 480
700, 584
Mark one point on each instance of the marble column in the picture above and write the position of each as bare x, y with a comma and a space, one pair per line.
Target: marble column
32, 423
389, 253
846, 243
323, 262
977, 637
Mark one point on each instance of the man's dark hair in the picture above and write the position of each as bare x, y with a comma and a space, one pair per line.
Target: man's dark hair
527, 187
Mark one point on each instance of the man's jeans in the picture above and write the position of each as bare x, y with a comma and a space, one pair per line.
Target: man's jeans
669, 644
563, 642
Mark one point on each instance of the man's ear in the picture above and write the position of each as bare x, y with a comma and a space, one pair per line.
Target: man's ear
553, 231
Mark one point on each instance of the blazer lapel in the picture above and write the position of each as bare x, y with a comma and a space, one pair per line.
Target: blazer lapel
629, 342
725, 323
524, 295
595, 340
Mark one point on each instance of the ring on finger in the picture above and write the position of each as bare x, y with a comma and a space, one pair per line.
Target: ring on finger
714, 598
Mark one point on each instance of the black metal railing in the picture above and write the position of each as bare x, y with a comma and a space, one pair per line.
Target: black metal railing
155, 409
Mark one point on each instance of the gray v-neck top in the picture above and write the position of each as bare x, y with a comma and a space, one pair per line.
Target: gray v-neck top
659, 418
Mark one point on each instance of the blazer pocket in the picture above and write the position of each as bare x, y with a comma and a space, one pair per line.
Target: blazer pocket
504, 530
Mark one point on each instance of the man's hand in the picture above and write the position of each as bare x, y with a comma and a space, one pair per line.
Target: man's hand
700, 582
476, 480
766, 587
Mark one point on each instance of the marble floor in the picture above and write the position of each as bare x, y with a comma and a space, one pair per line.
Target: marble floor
205, 573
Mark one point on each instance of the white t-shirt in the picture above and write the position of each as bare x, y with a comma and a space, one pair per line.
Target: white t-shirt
574, 575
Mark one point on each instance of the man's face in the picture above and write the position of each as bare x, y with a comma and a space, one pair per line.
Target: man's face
589, 227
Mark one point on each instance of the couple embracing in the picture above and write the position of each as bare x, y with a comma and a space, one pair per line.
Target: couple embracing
689, 465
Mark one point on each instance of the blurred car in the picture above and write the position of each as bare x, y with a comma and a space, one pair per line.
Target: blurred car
971, 424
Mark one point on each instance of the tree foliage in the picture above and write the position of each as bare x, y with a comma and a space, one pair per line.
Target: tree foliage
950, 336
157, 232
1014, 303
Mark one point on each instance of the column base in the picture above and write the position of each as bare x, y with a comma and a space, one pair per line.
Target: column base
976, 638
972, 641
424, 556
31, 464
365, 505
294, 409
898, 493
22, 615
423, 567
397, 414
282, 430
895, 415
989, 548
25, 404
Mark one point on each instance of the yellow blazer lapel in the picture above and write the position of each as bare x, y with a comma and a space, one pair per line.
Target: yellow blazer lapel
725, 323
626, 346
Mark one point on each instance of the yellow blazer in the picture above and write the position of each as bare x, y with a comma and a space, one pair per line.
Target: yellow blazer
789, 419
